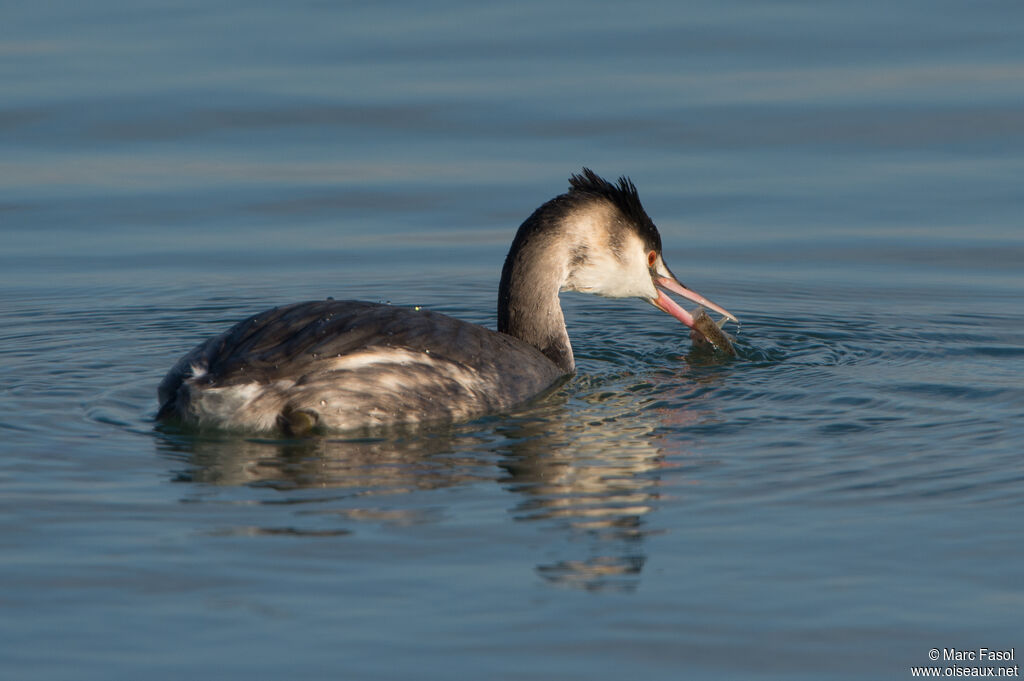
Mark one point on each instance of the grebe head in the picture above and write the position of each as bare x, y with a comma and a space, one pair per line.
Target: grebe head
596, 238
617, 249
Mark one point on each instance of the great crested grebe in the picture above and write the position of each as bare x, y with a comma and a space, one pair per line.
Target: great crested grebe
344, 365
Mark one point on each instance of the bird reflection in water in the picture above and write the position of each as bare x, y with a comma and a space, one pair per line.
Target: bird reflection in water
591, 470
595, 477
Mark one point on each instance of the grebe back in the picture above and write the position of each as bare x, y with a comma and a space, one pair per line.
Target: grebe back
345, 365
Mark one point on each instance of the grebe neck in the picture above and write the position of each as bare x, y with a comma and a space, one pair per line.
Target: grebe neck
546, 254
528, 304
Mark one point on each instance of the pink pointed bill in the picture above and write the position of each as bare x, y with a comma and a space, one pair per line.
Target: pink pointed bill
666, 304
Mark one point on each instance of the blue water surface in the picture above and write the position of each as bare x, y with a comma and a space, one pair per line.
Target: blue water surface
840, 499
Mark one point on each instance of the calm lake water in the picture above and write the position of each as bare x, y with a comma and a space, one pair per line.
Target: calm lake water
843, 497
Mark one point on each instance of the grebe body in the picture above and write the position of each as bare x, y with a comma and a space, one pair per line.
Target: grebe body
347, 364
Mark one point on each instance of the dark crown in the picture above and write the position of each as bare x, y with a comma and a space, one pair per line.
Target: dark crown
623, 195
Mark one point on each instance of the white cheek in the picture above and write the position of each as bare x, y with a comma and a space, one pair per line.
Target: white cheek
606, 276
601, 272
629, 284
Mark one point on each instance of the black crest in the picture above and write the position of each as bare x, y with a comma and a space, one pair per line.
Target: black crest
623, 195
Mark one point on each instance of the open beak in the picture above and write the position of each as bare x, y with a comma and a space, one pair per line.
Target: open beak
664, 280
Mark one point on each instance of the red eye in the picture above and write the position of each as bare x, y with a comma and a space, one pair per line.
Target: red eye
651, 258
